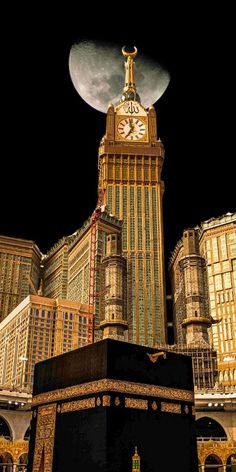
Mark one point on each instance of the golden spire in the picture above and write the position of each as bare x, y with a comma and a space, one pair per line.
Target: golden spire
136, 461
129, 91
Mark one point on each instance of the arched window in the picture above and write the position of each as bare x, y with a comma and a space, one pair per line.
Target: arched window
231, 463
6, 462
213, 464
23, 461
207, 428
4, 429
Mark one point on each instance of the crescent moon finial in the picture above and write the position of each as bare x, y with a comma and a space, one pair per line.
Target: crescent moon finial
129, 54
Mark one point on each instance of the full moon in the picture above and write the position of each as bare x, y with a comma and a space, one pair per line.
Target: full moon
97, 72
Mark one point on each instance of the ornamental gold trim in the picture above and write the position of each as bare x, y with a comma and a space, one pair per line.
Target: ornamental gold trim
84, 404
106, 400
154, 406
117, 401
223, 450
44, 440
98, 401
15, 448
113, 386
154, 357
186, 409
137, 403
118, 136
170, 407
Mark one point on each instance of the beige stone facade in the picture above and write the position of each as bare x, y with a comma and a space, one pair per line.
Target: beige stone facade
37, 329
130, 176
217, 245
19, 272
221, 409
68, 271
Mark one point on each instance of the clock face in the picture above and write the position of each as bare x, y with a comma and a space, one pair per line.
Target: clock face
131, 129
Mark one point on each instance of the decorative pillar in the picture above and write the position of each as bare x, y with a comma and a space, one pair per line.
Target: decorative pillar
193, 267
115, 322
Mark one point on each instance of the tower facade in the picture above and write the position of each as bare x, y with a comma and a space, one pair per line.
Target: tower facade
20, 270
193, 271
217, 239
39, 328
73, 269
115, 322
130, 162
217, 247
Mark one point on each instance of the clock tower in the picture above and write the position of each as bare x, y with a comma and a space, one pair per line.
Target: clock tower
130, 164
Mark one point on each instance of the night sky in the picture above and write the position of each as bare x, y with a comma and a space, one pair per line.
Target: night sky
50, 135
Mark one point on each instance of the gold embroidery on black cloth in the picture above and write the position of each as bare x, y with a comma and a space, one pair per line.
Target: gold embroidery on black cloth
84, 404
114, 386
117, 401
106, 400
186, 409
154, 406
170, 407
44, 441
136, 403
157, 355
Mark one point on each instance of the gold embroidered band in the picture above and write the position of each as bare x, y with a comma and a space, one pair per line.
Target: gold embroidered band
113, 386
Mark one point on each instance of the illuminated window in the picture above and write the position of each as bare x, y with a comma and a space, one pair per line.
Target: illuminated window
209, 270
215, 253
140, 226
218, 282
109, 198
147, 219
131, 172
117, 201
223, 246
226, 265
227, 280
232, 243
132, 219
217, 268
117, 171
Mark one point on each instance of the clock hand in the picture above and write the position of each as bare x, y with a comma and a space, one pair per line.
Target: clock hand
130, 131
131, 123
131, 127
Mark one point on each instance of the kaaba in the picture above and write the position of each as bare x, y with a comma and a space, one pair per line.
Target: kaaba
95, 406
